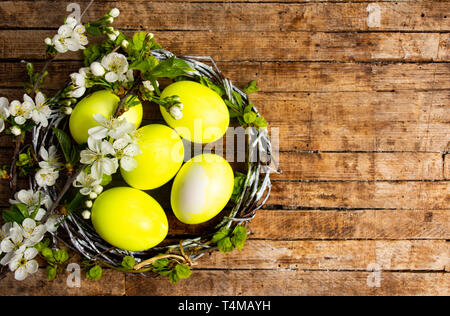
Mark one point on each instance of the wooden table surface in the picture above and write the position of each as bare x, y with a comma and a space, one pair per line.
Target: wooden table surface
360, 92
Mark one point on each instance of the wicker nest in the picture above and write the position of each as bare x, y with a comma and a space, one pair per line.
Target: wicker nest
79, 234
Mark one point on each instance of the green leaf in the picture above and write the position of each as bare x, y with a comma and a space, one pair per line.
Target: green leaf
239, 182
250, 117
91, 54
173, 277
128, 262
238, 98
225, 245
138, 40
94, 273
65, 143
92, 29
171, 68
60, 256
218, 89
42, 245
239, 237
183, 271
251, 87
260, 122
48, 254
13, 215
145, 65
221, 234
22, 208
51, 272
161, 264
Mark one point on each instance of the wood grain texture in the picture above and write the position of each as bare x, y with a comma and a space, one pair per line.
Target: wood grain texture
294, 283
383, 195
334, 255
350, 121
239, 17
362, 111
111, 283
287, 77
259, 46
351, 224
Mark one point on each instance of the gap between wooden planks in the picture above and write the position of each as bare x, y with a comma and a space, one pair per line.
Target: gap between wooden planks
400, 16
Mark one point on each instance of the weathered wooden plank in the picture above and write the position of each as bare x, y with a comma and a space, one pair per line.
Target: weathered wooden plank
355, 121
111, 283
333, 255
347, 166
259, 46
358, 224
395, 195
416, 16
360, 166
286, 283
289, 76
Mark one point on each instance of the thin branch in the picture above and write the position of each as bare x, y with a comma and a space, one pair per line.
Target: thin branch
36, 84
64, 190
14, 164
124, 99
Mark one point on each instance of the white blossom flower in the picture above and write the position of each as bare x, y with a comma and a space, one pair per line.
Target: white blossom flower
115, 64
13, 244
115, 128
70, 37
4, 232
79, 84
98, 156
41, 112
176, 112
52, 223
22, 264
31, 232
149, 86
16, 131
50, 158
4, 112
114, 12
87, 183
97, 69
125, 152
33, 200
46, 177
79, 34
22, 111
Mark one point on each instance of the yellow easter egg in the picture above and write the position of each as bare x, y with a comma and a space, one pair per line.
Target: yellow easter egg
161, 158
101, 102
129, 219
202, 188
205, 114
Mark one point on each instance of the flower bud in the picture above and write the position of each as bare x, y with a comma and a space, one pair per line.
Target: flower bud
150, 36
86, 214
176, 113
125, 44
93, 196
67, 110
16, 131
98, 189
114, 12
48, 41
110, 20
97, 69
88, 203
